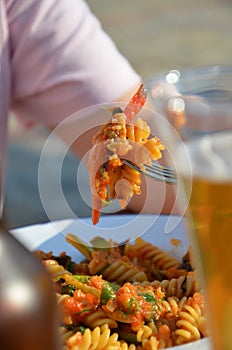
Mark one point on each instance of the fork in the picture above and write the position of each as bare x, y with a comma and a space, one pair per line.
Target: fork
156, 171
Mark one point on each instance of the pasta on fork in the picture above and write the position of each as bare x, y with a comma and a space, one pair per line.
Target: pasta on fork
118, 139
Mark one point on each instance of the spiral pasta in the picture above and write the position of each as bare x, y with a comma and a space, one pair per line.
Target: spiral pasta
55, 269
171, 306
189, 316
181, 286
109, 308
98, 318
116, 269
148, 254
90, 340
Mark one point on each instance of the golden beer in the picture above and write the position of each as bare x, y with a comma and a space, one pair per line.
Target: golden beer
210, 221
211, 213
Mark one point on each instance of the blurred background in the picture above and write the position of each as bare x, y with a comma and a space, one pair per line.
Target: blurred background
155, 36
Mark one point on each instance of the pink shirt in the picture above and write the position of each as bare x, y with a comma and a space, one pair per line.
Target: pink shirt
54, 60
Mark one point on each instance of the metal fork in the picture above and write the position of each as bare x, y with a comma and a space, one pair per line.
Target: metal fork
156, 171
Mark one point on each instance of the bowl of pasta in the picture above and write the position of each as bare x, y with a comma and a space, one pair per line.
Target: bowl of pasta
114, 291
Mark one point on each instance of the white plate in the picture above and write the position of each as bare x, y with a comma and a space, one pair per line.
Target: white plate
51, 237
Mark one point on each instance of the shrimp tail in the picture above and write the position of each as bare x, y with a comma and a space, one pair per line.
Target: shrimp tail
136, 103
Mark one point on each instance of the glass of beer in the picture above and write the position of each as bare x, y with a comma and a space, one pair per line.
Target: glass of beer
197, 108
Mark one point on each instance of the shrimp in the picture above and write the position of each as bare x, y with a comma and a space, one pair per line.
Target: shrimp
136, 103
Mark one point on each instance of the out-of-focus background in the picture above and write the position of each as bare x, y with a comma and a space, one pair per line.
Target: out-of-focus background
155, 36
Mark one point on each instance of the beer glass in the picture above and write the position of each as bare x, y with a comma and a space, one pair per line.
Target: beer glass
197, 107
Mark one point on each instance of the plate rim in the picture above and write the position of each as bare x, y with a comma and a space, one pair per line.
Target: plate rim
23, 235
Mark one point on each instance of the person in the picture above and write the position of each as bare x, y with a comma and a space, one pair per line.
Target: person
56, 59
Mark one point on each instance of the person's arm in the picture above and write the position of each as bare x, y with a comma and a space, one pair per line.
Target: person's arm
62, 61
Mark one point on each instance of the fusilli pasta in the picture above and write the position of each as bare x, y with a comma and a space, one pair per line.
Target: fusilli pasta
107, 312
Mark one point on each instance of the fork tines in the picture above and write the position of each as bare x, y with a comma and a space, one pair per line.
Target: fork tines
165, 174
156, 171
